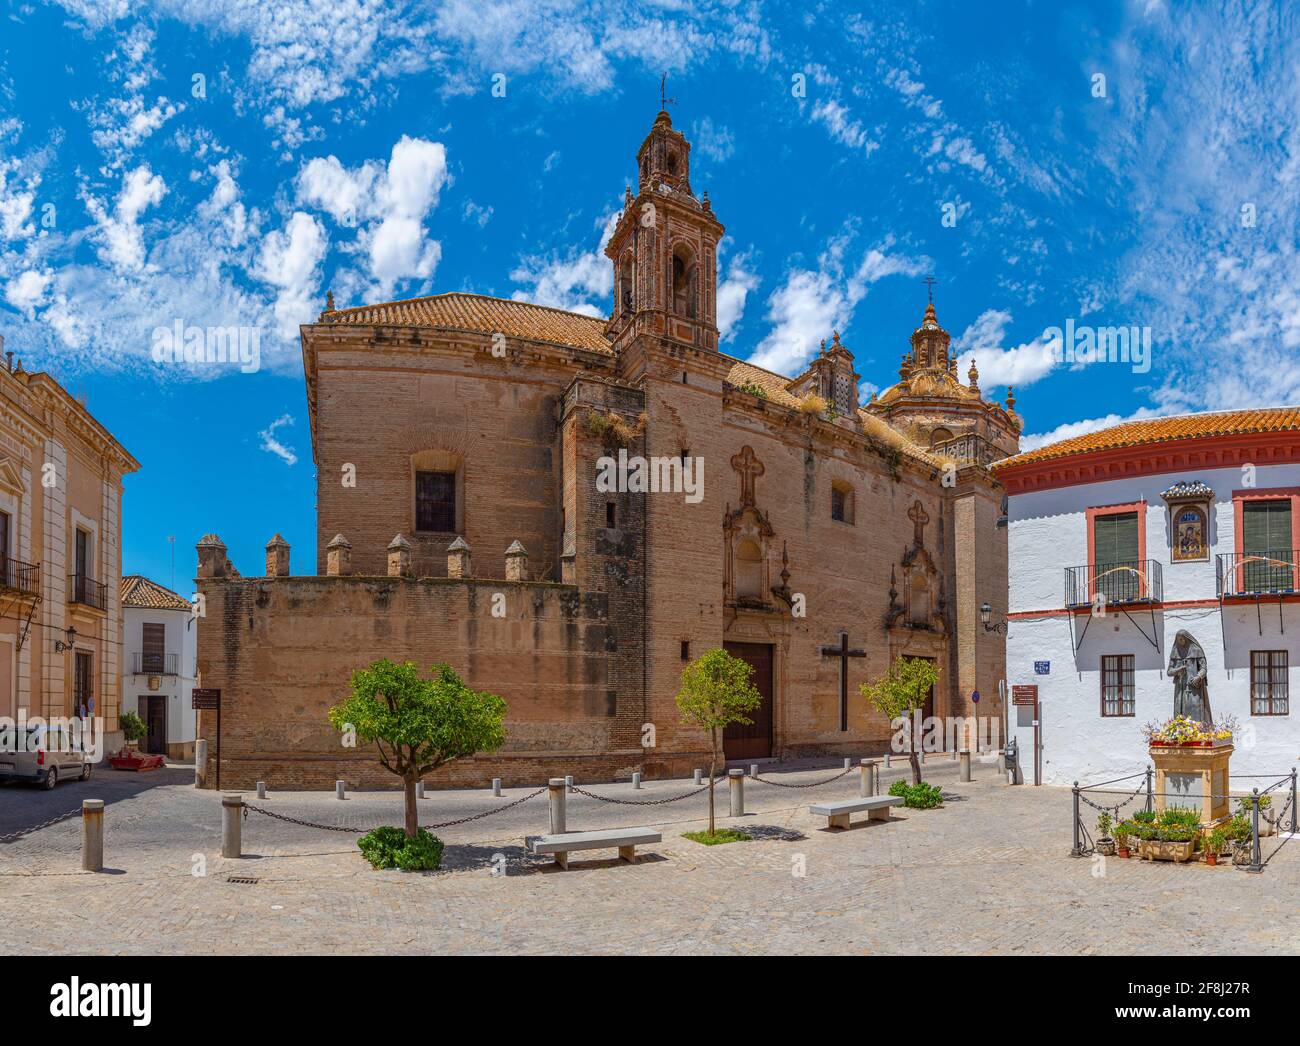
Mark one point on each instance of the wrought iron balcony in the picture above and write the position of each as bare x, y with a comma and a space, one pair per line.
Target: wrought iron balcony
1127, 581
19, 576
969, 449
1274, 572
87, 591
153, 664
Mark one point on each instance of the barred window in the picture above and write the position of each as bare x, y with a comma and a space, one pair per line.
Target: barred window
1117, 685
435, 502
1269, 693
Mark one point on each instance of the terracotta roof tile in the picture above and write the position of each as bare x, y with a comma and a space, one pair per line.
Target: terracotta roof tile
139, 591
482, 315
1163, 430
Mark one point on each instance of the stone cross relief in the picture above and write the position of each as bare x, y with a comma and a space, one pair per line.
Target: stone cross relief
919, 518
750, 468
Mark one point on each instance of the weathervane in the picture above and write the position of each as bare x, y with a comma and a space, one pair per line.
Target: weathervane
664, 102
929, 282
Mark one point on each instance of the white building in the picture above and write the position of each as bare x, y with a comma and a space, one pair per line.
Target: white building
158, 665
1120, 539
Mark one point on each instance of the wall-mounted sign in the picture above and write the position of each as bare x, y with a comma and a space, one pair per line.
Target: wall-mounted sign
1042, 668
975, 697
1025, 695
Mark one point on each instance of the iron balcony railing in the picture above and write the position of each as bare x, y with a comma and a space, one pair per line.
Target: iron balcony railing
1126, 581
19, 576
153, 664
1275, 571
87, 591
969, 449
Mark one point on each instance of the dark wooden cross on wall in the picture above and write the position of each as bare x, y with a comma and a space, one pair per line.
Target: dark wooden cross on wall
919, 518
843, 652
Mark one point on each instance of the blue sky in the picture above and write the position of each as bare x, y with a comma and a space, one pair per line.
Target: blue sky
224, 163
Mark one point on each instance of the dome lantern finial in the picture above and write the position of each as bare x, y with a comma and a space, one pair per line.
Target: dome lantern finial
974, 375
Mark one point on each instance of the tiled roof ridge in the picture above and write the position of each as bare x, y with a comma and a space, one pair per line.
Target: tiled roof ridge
161, 594
468, 294
1145, 431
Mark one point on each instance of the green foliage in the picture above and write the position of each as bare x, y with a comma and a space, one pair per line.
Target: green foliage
1247, 803
1104, 824
717, 690
1238, 828
1179, 817
420, 724
754, 389
390, 847
133, 728
1145, 817
920, 796
902, 689
716, 838
1217, 841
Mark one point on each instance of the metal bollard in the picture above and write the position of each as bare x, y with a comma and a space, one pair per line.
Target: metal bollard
1294, 811
867, 770
848, 764
261, 789
736, 781
496, 787
419, 789
340, 790
699, 777
568, 782
887, 761
555, 789
232, 809
1150, 797
636, 779
965, 765
92, 835
753, 771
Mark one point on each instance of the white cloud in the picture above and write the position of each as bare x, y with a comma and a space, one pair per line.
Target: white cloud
572, 279
740, 282
717, 143
843, 127
386, 204
27, 291
16, 203
118, 232
983, 343
273, 446
289, 261
811, 303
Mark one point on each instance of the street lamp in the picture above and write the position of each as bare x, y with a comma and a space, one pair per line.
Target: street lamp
60, 646
986, 614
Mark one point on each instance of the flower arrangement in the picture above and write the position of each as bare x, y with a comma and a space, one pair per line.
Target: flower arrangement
1183, 730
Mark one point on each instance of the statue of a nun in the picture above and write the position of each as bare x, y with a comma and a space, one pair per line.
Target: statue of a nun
1187, 667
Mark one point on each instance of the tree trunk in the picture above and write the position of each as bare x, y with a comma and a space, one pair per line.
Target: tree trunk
412, 809
914, 759
713, 763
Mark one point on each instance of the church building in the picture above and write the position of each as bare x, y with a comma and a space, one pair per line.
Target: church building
568, 509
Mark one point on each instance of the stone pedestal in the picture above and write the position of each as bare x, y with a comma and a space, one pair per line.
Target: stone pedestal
1194, 776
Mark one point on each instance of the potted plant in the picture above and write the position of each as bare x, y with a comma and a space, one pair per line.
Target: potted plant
1238, 832
1105, 844
1172, 836
1246, 804
1123, 831
1214, 844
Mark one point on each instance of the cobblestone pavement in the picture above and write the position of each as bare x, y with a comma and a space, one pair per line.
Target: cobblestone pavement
988, 872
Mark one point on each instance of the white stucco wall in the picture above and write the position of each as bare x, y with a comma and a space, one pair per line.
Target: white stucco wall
180, 638
1047, 532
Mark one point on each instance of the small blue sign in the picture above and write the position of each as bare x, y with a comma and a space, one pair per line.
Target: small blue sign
1042, 668
975, 697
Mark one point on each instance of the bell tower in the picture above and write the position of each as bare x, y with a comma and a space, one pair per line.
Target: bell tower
665, 249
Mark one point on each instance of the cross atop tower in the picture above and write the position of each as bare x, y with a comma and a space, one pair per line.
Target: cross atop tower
664, 101
929, 282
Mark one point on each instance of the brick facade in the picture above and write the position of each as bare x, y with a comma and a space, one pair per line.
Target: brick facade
520, 404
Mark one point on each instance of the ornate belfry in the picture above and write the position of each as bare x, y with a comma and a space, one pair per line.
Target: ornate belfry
924, 590
747, 539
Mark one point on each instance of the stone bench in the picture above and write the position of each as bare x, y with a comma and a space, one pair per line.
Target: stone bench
626, 839
877, 807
